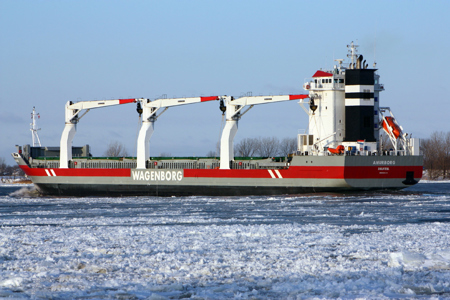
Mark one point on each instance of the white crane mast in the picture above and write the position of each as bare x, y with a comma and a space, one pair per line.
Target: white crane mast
36, 142
233, 114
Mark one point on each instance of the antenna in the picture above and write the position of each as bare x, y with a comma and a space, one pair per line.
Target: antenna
353, 52
34, 136
375, 49
340, 61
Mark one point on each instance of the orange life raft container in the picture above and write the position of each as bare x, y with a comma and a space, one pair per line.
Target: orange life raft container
391, 123
338, 150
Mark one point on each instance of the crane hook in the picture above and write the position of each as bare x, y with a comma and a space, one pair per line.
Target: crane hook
139, 109
222, 107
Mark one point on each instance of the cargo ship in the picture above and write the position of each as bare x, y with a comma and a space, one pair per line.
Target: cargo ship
341, 149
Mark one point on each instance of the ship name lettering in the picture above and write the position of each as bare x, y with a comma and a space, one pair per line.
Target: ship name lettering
384, 162
157, 175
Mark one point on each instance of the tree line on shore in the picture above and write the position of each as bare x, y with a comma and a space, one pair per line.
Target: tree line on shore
261, 147
10, 171
436, 155
248, 147
265, 147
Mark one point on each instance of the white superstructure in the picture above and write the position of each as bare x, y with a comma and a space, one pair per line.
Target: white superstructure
344, 111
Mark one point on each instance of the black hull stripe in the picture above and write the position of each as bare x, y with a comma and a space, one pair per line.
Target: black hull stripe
168, 191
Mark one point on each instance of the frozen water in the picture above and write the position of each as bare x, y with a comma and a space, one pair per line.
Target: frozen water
366, 245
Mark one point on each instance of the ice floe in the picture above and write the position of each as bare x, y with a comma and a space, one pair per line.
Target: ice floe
380, 247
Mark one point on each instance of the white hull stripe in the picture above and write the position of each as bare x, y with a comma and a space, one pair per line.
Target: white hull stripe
276, 175
51, 173
276, 171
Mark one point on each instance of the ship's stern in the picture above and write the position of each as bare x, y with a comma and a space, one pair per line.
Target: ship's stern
383, 172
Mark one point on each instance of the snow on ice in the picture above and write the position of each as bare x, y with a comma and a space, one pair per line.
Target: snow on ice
161, 248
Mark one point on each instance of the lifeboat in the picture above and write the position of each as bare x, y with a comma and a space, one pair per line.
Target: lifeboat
389, 121
338, 150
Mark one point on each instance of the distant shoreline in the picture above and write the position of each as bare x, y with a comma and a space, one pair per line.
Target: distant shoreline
15, 180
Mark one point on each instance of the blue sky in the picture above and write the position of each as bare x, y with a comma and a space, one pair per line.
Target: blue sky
55, 51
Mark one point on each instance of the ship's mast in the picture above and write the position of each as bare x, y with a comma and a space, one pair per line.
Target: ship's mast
36, 142
353, 54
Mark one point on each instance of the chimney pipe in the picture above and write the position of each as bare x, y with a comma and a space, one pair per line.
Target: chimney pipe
358, 62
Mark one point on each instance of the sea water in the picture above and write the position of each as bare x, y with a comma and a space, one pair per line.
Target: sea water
359, 245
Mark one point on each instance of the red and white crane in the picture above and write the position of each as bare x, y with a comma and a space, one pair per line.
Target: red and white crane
149, 116
72, 117
234, 112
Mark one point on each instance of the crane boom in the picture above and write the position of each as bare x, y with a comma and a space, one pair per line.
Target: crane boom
253, 100
150, 108
73, 109
168, 102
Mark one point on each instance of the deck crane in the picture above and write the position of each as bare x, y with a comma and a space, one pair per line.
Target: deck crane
72, 117
149, 116
234, 112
